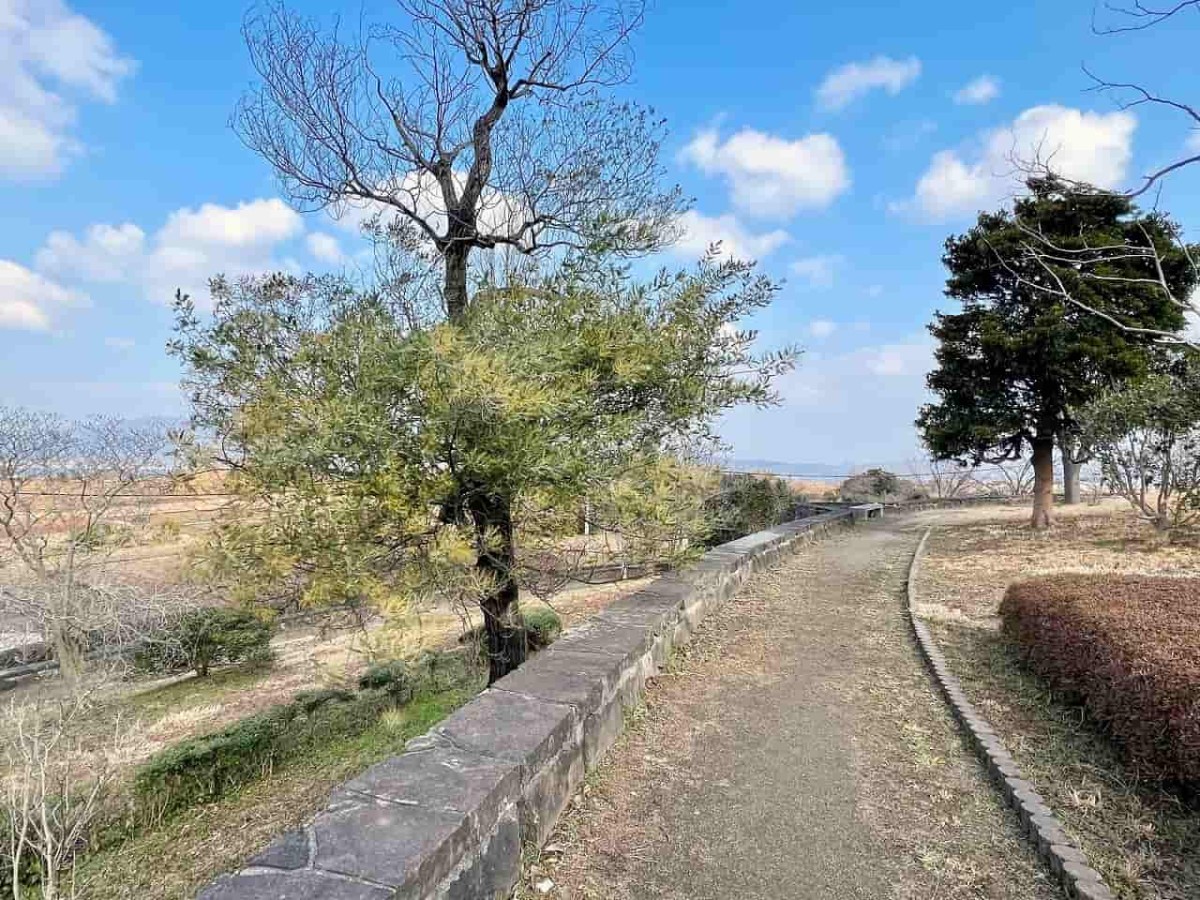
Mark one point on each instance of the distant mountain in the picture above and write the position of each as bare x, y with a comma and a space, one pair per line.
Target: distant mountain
797, 470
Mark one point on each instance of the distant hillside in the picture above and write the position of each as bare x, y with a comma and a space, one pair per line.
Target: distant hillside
797, 470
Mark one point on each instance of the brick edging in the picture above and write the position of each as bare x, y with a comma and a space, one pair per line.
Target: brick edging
1038, 821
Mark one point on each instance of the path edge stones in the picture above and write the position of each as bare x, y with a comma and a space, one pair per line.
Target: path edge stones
449, 817
1038, 822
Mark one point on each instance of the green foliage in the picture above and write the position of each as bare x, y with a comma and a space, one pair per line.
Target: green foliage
878, 485
1145, 437
202, 638
745, 504
542, 627
393, 676
1017, 362
385, 461
204, 768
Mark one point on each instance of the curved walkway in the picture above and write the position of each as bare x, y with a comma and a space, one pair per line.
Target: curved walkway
795, 749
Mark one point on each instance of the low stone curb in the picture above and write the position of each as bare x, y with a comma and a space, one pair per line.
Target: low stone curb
1038, 821
447, 818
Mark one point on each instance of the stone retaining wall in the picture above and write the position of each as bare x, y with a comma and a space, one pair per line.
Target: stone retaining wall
447, 818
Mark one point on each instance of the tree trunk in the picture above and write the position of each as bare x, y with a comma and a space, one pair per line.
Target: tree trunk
1070, 470
1043, 482
502, 621
456, 255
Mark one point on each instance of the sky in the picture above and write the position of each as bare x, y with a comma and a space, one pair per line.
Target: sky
839, 144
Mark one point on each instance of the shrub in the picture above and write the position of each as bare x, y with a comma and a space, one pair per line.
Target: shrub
878, 485
1128, 648
746, 504
393, 676
207, 767
202, 638
542, 627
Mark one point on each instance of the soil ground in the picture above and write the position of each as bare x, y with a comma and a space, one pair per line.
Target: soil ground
795, 749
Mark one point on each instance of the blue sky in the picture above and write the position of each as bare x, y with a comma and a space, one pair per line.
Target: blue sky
838, 143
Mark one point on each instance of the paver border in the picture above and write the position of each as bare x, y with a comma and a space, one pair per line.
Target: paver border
1038, 821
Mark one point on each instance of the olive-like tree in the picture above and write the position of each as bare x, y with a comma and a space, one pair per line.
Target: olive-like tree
1018, 361
465, 127
378, 460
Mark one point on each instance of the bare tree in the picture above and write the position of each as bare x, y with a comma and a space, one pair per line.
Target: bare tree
70, 494
482, 127
944, 479
54, 787
1122, 18
1100, 261
1015, 479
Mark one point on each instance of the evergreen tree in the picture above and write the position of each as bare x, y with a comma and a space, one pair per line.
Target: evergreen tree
1019, 359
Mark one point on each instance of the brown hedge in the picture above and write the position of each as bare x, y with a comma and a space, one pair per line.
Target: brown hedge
1128, 647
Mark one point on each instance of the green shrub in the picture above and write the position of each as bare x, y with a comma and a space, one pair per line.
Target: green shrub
542, 627
1128, 648
205, 768
746, 504
202, 638
393, 676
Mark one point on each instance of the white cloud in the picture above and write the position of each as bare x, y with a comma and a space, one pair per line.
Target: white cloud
1193, 141
1085, 146
120, 343
324, 248
847, 83
769, 175
700, 231
875, 290
29, 301
105, 254
190, 247
46, 51
818, 272
821, 328
979, 90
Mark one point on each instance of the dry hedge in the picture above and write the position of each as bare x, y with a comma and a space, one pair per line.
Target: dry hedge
1128, 647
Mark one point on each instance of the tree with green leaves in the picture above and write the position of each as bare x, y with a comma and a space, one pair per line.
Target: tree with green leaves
383, 461
1018, 361
1146, 438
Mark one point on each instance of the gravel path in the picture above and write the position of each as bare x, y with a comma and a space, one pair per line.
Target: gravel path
795, 750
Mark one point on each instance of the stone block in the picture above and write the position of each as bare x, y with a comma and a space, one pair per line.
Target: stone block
493, 872
623, 642
508, 726
583, 681
600, 731
291, 850
404, 846
547, 792
444, 778
307, 885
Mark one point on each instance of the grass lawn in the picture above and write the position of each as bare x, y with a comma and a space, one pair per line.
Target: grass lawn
1144, 840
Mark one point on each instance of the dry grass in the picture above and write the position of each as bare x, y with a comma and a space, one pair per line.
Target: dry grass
937, 829
1145, 841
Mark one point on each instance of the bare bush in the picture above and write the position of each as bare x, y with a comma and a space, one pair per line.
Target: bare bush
944, 479
54, 789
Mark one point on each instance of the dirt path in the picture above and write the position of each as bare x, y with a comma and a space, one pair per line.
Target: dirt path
795, 750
